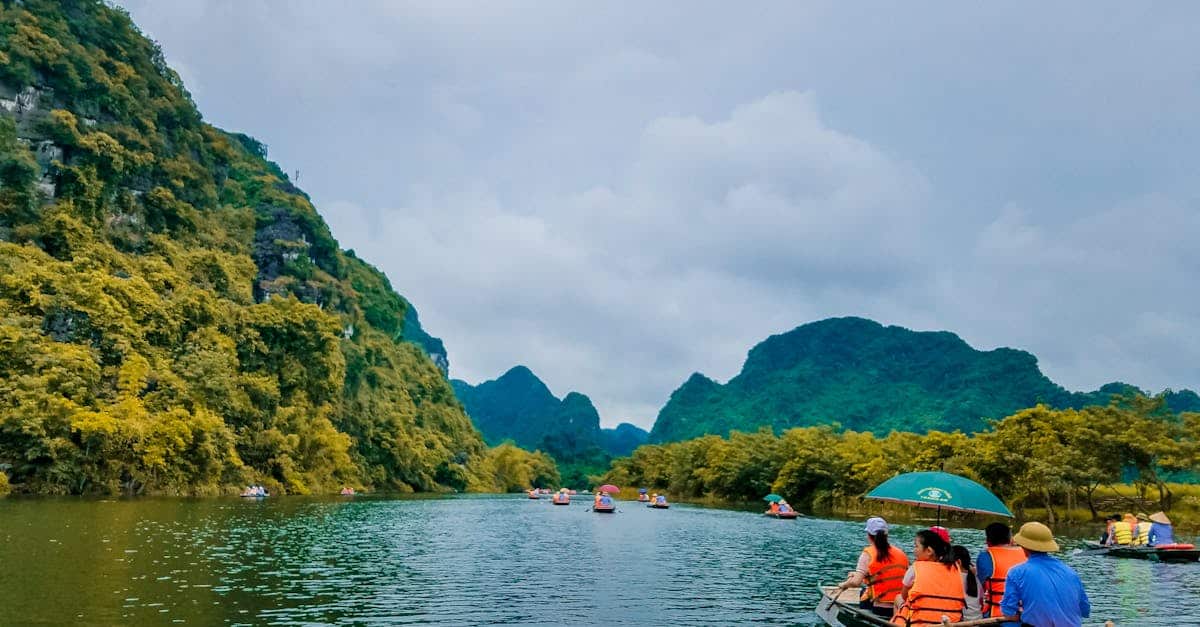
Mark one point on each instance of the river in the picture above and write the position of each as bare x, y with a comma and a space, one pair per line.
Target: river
462, 561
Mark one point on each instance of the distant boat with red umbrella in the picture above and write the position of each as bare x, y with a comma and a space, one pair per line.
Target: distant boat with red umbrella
604, 503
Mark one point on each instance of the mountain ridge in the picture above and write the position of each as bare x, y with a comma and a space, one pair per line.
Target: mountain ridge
869, 377
518, 406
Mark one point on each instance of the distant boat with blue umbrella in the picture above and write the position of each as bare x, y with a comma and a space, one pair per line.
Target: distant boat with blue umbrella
940, 490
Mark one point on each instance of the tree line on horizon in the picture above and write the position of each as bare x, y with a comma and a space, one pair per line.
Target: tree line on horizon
1038, 457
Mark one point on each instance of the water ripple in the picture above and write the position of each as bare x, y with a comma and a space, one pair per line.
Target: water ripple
461, 561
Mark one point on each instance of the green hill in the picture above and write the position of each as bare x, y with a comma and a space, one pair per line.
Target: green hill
517, 406
177, 316
868, 377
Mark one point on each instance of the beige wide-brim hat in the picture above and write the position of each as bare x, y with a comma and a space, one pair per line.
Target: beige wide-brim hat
1036, 537
1160, 518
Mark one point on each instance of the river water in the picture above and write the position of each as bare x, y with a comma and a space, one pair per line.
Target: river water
463, 561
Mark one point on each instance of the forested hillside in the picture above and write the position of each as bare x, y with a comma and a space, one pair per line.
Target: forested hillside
176, 315
868, 377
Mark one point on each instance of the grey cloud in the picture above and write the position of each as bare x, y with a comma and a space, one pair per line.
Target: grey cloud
617, 195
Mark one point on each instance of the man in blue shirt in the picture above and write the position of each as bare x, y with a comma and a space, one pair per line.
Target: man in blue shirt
1044, 591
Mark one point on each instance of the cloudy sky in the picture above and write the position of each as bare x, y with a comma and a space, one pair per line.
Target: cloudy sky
620, 194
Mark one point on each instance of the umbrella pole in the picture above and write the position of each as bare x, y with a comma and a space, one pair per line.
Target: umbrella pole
939, 516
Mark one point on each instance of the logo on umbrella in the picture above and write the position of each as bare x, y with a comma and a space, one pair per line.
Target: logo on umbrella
934, 495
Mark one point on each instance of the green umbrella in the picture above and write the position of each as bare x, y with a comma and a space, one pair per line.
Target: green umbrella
941, 490
774, 498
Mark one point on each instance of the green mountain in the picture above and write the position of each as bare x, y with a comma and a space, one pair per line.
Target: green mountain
621, 441
868, 377
176, 315
517, 406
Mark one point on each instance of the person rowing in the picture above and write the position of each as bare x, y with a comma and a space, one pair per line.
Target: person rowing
879, 570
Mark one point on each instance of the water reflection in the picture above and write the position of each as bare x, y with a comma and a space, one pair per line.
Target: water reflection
491, 560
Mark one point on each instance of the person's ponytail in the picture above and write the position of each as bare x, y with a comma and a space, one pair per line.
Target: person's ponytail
883, 549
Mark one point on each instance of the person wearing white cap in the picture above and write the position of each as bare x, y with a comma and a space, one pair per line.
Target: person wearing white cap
1043, 591
879, 570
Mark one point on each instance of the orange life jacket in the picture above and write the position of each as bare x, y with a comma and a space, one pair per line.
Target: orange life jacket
1003, 559
936, 590
884, 579
774, 508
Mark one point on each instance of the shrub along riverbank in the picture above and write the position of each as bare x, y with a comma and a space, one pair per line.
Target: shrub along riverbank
1039, 460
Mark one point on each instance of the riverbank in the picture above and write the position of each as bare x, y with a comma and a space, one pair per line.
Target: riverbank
1184, 513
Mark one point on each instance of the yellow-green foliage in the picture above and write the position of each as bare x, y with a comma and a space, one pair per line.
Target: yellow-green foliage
1038, 457
177, 317
507, 468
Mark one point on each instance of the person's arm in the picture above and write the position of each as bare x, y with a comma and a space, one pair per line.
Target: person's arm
983, 567
855, 577
1010, 606
906, 584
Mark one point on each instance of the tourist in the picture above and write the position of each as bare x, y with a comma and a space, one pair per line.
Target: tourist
992, 567
784, 507
1043, 591
774, 509
880, 568
933, 585
1106, 538
1122, 530
943, 532
660, 499
1141, 533
970, 583
1161, 531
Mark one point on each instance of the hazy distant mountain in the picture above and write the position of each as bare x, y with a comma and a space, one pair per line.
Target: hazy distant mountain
517, 406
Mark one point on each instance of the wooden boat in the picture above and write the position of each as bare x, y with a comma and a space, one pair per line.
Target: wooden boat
558, 501
843, 611
642, 498
659, 506
1170, 553
255, 496
604, 509
783, 515
534, 495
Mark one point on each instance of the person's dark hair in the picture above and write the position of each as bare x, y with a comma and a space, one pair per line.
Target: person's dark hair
883, 550
998, 534
941, 548
964, 562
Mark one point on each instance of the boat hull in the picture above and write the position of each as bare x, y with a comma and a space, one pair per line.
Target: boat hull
562, 502
783, 515
605, 510
1155, 555
657, 506
844, 611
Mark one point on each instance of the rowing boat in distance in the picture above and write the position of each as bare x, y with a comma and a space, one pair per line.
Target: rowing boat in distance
1170, 553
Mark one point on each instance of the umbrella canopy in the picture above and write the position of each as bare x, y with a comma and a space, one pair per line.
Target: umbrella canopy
773, 498
608, 487
642, 490
941, 490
